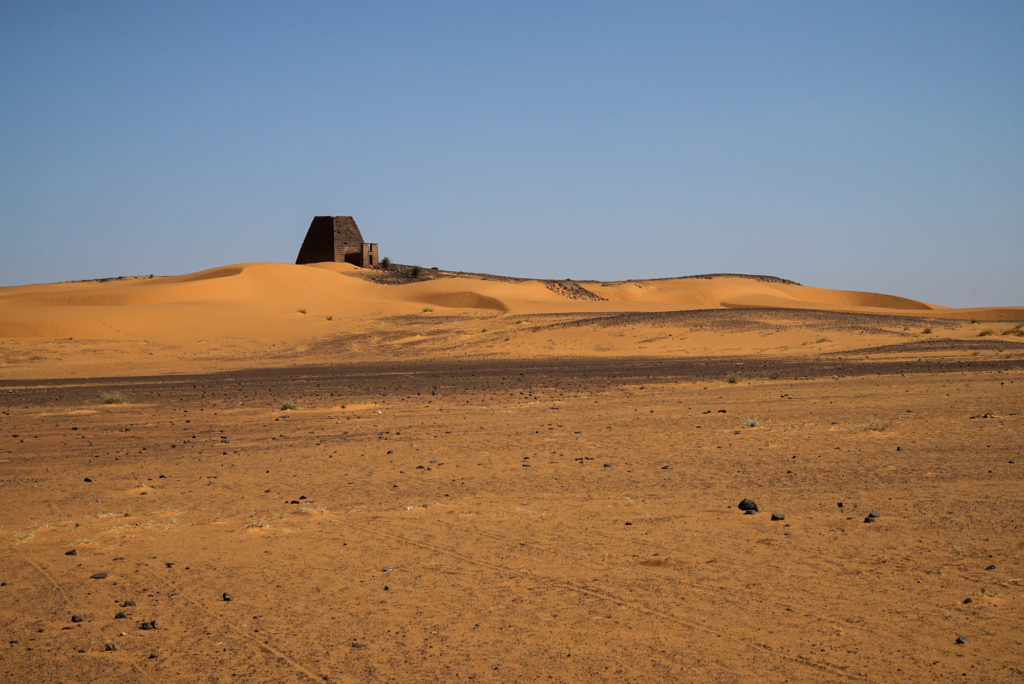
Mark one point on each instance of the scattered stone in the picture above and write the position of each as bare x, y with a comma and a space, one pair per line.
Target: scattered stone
148, 625
962, 640
77, 618
88, 479
899, 448
778, 516
72, 552
990, 567
356, 644
607, 465
840, 504
747, 505
120, 615
154, 655
98, 575
873, 514
869, 519
666, 467
226, 596
109, 647
128, 603
968, 600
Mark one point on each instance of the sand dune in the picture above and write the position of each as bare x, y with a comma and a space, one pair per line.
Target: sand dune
245, 313
265, 300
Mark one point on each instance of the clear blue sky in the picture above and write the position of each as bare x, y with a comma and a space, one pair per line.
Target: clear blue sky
874, 145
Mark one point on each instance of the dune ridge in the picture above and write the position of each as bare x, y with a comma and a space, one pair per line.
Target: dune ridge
243, 299
272, 313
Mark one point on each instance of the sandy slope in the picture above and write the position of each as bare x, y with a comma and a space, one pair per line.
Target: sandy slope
252, 312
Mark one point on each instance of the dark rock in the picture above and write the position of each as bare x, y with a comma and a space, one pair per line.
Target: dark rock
120, 615
98, 575
356, 644
873, 514
990, 567
148, 625
968, 600
869, 519
72, 552
840, 504
750, 511
109, 647
962, 640
88, 479
153, 655
667, 467
128, 603
226, 596
747, 505
77, 618
778, 516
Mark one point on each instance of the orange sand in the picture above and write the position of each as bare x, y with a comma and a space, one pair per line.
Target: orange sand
252, 314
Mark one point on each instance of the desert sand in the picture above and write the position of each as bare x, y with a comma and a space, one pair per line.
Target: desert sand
273, 472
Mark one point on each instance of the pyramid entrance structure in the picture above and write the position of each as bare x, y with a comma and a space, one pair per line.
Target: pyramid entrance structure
336, 238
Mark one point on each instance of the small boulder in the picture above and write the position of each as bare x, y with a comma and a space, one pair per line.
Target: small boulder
747, 505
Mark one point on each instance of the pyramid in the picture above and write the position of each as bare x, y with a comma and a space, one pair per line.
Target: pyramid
336, 238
